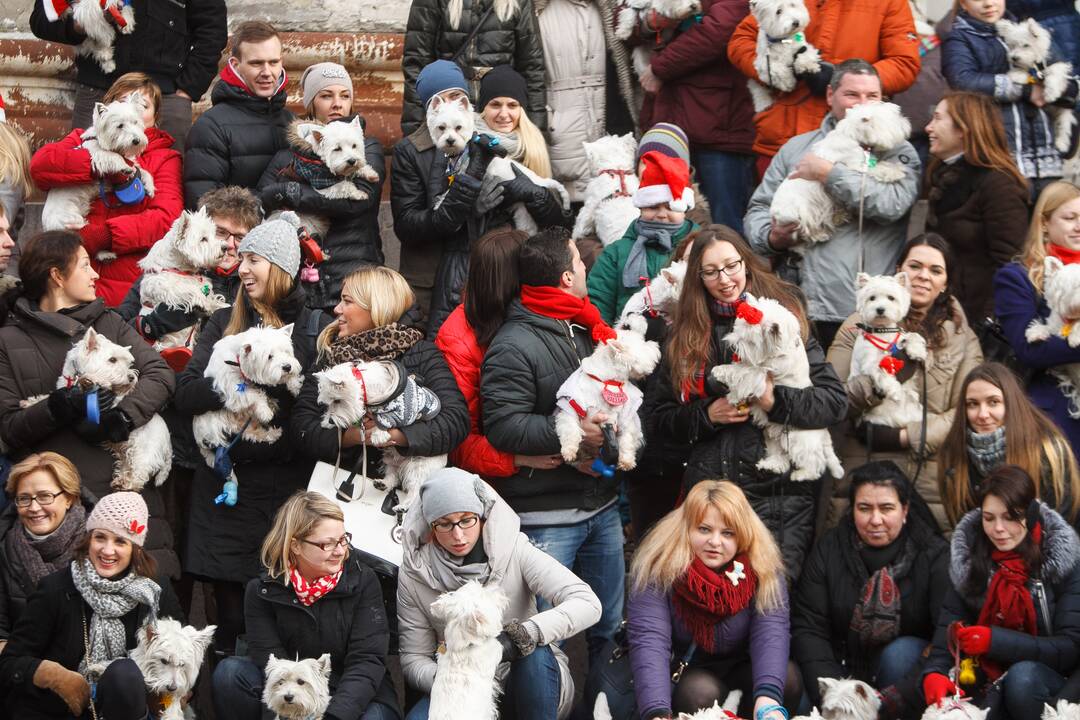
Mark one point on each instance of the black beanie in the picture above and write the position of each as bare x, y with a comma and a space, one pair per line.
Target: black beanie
501, 81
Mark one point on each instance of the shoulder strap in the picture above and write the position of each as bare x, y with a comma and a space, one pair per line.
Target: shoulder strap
472, 33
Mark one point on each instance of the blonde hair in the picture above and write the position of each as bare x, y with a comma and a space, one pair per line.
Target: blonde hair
15, 159
381, 291
665, 554
278, 286
294, 521
534, 151
62, 470
1050, 199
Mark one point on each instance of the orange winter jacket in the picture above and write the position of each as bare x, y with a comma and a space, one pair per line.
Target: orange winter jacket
879, 31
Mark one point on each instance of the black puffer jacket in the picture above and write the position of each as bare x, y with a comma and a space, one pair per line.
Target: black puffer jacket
528, 360
350, 623
223, 542
732, 451
234, 141
831, 584
1056, 598
177, 43
353, 237
516, 42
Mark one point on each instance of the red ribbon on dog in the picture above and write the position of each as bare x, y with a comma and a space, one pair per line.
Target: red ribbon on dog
891, 364
750, 314
602, 332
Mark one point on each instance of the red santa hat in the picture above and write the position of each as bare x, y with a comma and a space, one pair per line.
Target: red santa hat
3, 112
664, 180
54, 9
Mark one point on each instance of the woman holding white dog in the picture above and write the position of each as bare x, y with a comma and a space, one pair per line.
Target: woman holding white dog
690, 406
223, 541
312, 597
291, 180
86, 616
460, 530
953, 350
708, 589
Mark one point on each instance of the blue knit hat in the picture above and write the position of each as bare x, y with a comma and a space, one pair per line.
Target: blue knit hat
439, 76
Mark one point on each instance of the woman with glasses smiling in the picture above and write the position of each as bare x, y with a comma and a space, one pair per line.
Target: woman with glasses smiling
721, 270
313, 597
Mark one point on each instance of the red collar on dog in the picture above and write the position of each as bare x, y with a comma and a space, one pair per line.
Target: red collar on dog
621, 175
649, 306
614, 397
187, 273
359, 375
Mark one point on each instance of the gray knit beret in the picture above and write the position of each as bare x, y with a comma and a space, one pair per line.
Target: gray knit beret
276, 240
450, 490
322, 75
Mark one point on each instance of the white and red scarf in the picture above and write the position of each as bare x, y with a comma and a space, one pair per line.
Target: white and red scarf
307, 592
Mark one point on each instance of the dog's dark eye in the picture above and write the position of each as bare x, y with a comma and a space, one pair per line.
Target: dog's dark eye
337, 149
779, 11
457, 127
892, 299
300, 682
112, 360
873, 298
442, 128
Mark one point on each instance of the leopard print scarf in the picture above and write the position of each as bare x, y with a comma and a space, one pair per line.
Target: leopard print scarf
388, 342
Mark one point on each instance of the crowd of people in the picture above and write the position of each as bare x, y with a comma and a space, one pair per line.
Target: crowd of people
694, 574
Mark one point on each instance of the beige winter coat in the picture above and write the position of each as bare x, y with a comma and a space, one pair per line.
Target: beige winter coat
520, 569
946, 369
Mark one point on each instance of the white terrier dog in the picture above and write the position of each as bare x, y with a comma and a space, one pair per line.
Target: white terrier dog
845, 700
169, 656
93, 16
96, 361
394, 399
658, 297
1028, 43
782, 49
1065, 710
662, 16
766, 339
602, 711
173, 273
609, 197
297, 689
878, 127
465, 685
955, 709
603, 383
1061, 288
114, 140
883, 302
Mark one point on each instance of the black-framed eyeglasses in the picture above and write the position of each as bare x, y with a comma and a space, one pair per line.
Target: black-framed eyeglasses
445, 526
344, 541
43, 499
224, 235
732, 269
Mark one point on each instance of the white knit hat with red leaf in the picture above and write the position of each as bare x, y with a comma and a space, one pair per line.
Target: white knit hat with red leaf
121, 513
664, 180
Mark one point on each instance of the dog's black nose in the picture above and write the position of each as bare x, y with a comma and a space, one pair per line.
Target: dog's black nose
880, 311
288, 698
450, 141
351, 161
286, 367
172, 688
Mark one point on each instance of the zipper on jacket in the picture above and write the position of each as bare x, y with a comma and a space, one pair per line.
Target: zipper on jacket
1041, 592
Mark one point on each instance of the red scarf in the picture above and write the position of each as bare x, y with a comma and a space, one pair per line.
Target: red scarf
1063, 254
554, 303
1008, 602
703, 598
307, 592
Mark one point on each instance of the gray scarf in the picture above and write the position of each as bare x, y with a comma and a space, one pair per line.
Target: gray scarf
650, 234
450, 572
986, 450
509, 141
38, 558
110, 601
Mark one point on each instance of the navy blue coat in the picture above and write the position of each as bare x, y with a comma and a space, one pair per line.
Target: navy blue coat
1060, 18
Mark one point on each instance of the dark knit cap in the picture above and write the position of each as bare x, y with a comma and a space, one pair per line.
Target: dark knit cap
439, 76
502, 81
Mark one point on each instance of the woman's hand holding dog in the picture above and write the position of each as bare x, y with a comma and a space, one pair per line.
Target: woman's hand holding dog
722, 412
539, 462
397, 438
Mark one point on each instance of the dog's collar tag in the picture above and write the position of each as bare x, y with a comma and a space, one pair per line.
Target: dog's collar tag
736, 573
1066, 329
206, 290
615, 397
869, 159
797, 37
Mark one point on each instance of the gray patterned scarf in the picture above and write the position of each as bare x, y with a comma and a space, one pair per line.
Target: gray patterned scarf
986, 450
38, 558
650, 234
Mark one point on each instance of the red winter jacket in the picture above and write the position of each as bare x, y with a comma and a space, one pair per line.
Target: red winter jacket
127, 230
702, 92
457, 341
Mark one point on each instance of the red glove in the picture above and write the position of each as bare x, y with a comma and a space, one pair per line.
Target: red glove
974, 640
937, 687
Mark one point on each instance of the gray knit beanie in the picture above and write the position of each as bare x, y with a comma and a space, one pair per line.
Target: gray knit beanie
450, 490
276, 240
320, 76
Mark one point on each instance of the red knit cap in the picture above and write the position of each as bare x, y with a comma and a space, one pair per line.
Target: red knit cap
664, 180
121, 513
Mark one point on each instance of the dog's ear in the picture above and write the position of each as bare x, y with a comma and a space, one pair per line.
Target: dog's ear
202, 639
776, 331
1033, 26
861, 279
310, 133
825, 684
247, 348
271, 660
99, 110
324, 664
464, 103
904, 279
182, 223
1050, 266
434, 103
91, 340
287, 329
356, 123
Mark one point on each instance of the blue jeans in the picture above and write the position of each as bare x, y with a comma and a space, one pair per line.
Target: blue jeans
593, 550
898, 659
532, 690
727, 179
1027, 686
237, 688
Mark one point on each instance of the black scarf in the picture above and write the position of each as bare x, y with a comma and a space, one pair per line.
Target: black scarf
875, 621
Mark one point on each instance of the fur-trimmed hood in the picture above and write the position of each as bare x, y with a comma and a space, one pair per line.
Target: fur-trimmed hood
1060, 546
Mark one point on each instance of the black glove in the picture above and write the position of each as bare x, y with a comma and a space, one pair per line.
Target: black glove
67, 405
163, 320
516, 641
906, 372
817, 81
522, 189
878, 438
490, 196
279, 195
115, 426
483, 148
509, 649
459, 203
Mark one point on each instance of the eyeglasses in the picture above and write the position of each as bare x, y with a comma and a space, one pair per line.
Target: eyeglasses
446, 526
343, 542
224, 235
732, 269
43, 498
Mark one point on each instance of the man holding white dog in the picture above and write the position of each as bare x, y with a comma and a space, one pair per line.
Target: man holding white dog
826, 271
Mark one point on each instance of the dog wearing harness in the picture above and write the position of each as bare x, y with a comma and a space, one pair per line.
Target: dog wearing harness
782, 49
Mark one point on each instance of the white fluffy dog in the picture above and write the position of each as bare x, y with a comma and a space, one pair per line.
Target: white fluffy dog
877, 127
173, 273
658, 297
609, 197
845, 700
650, 12
1065, 710
394, 399
882, 302
100, 32
766, 341
241, 367
465, 685
169, 656
114, 140
782, 49
1028, 43
1061, 288
297, 689
603, 383
953, 709
147, 453
452, 124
